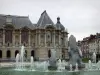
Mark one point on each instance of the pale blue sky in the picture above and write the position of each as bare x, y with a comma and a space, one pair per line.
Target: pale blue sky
80, 17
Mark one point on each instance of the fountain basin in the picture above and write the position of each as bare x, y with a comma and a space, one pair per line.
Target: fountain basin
12, 71
80, 67
52, 68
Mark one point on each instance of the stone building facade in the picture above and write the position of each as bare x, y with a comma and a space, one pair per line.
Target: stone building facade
91, 44
85, 47
38, 39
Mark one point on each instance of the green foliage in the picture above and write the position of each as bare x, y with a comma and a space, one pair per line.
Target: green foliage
85, 60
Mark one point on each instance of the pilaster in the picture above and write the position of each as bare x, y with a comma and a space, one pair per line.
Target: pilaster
20, 38
29, 39
45, 38
13, 38
36, 38
3, 37
54, 38
39, 37
59, 38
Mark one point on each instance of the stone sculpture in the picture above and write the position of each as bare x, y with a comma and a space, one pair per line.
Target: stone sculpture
75, 53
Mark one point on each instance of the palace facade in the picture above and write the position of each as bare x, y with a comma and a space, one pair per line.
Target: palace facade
38, 39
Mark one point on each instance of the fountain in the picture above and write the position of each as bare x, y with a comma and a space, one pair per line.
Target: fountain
41, 66
98, 65
76, 67
22, 55
17, 60
32, 63
92, 65
64, 63
60, 65
45, 65
89, 65
70, 67
20, 59
73, 67
94, 57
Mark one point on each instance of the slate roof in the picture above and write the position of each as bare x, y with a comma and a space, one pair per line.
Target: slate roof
44, 20
17, 21
23, 21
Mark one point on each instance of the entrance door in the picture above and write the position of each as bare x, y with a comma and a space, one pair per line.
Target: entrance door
33, 53
97, 57
16, 52
0, 54
49, 53
8, 54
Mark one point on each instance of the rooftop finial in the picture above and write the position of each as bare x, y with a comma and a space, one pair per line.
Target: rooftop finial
44, 12
58, 19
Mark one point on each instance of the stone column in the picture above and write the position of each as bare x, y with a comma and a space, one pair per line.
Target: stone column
13, 37
39, 37
59, 39
29, 53
12, 53
66, 41
29, 39
20, 38
36, 38
4, 55
54, 38
45, 38
3, 37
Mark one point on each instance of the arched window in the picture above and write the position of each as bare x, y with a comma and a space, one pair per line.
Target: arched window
33, 53
0, 54
62, 41
8, 36
16, 52
24, 35
63, 53
8, 54
49, 36
49, 53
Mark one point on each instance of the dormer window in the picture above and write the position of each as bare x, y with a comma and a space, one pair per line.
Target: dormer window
8, 20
